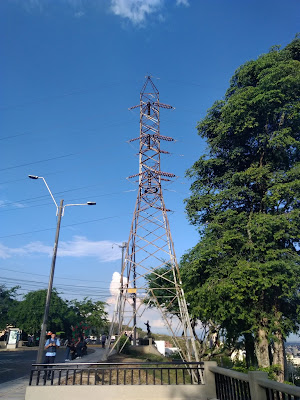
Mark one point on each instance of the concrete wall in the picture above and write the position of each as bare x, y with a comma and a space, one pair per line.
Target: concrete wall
161, 346
147, 392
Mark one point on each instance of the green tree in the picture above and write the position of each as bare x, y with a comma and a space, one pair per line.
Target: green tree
244, 274
28, 313
7, 303
92, 314
162, 294
162, 290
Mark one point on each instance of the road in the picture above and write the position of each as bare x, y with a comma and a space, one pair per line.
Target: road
17, 364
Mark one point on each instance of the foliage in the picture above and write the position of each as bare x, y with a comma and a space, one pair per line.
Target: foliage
174, 356
67, 316
272, 370
161, 283
124, 344
146, 357
245, 201
28, 313
7, 303
91, 314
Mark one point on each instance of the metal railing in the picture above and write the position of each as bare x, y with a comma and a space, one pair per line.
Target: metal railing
233, 385
150, 373
228, 388
279, 391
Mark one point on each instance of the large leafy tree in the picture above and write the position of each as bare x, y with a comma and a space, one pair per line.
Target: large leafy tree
92, 314
7, 303
244, 273
28, 313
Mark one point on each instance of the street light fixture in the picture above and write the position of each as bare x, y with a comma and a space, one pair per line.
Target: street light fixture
59, 212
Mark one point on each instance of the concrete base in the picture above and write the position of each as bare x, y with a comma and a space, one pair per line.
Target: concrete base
149, 349
11, 346
121, 392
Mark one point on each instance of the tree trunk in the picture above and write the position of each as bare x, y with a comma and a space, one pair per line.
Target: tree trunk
261, 348
250, 350
279, 355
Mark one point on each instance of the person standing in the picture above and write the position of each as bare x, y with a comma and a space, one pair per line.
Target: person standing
103, 340
79, 346
51, 346
68, 344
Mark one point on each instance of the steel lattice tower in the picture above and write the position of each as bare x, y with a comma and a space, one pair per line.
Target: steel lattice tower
150, 248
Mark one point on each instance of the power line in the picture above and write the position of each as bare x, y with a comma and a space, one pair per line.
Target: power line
65, 293
38, 162
56, 277
65, 226
51, 159
30, 199
46, 204
26, 179
55, 97
36, 198
13, 136
31, 282
71, 130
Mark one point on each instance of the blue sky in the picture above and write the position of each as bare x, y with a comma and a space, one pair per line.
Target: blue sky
70, 71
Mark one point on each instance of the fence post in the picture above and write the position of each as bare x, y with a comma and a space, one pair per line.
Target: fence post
257, 392
209, 380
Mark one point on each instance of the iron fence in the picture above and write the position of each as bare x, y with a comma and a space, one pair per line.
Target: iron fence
233, 385
229, 388
279, 395
150, 373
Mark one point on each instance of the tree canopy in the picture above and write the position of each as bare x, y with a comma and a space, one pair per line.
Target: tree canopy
64, 315
92, 314
28, 313
245, 201
7, 302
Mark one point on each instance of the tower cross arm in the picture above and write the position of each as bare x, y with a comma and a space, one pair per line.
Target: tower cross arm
162, 105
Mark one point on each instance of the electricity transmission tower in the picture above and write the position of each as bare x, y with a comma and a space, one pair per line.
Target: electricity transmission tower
150, 249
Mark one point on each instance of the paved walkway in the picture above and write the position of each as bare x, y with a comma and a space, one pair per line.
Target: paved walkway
15, 390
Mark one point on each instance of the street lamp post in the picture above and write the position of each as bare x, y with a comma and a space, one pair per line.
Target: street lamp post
59, 212
49, 291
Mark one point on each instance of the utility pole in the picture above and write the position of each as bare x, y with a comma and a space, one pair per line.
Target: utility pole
49, 290
150, 250
59, 213
122, 247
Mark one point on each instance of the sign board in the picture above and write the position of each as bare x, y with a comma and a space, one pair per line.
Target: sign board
131, 290
13, 336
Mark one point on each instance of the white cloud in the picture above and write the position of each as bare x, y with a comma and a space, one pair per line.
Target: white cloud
114, 288
79, 14
79, 246
153, 315
115, 284
82, 247
135, 10
4, 254
182, 3
77, 7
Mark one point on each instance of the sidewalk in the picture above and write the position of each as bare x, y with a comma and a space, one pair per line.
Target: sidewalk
15, 390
